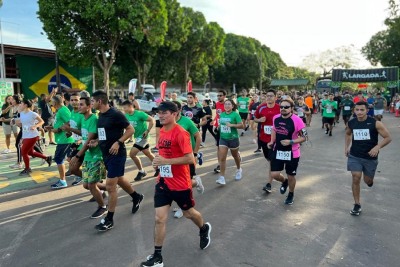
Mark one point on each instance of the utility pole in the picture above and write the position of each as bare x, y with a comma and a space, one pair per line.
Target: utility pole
259, 59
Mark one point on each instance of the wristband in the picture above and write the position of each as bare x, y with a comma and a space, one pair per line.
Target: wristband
291, 142
120, 143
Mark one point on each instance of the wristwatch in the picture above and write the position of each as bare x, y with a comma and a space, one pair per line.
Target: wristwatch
120, 143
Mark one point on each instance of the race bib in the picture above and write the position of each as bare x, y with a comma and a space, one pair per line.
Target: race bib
252, 112
361, 134
102, 134
300, 113
25, 128
242, 107
283, 155
85, 133
346, 108
138, 140
329, 110
267, 129
225, 129
165, 171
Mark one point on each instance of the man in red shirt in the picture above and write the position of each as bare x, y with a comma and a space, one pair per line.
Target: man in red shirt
173, 183
358, 97
219, 108
264, 116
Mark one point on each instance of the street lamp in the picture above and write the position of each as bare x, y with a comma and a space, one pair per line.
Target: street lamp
259, 59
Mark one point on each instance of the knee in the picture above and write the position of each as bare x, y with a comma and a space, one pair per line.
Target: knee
160, 219
111, 188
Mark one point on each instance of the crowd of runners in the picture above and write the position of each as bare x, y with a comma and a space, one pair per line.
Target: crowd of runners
93, 136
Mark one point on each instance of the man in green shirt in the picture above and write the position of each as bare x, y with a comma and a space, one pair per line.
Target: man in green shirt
139, 119
328, 115
93, 169
243, 108
347, 106
63, 139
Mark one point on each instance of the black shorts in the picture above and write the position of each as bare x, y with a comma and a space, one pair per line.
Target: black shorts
346, 117
243, 115
217, 137
266, 151
115, 166
289, 166
329, 121
163, 197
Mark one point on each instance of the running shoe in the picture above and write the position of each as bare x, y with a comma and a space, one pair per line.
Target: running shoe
218, 169
205, 238
267, 188
221, 180
68, 173
199, 186
330, 133
104, 225
254, 141
49, 160
103, 194
178, 214
242, 134
200, 158
153, 261
289, 199
25, 171
59, 185
99, 212
247, 127
202, 144
156, 173
52, 143
284, 186
257, 151
6, 151
356, 210
78, 181
136, 204
326, 131
238, 175
140, 175
371, 184
16, 166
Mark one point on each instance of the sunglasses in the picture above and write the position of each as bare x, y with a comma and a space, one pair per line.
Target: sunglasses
285, 107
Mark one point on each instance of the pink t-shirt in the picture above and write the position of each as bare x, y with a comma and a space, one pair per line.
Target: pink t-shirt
288, 128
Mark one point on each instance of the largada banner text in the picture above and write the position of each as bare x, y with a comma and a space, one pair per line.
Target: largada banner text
38, 76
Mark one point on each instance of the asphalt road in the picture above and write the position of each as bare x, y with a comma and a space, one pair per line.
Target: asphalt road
39, 227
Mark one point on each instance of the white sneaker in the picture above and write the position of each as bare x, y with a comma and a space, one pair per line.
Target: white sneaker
178, 214
16, 166
238, 175
202, 144
221, 180
200, 186
6, 151
254, 141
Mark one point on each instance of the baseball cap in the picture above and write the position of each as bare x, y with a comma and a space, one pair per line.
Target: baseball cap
168, 105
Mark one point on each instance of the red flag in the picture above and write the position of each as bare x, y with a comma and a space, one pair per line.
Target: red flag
189, 86
163, 88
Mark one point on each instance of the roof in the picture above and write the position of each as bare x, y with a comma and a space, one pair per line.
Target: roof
289, 82
21, 50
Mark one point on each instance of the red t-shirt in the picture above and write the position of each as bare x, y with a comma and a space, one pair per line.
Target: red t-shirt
264, 111
219, 108
175, 143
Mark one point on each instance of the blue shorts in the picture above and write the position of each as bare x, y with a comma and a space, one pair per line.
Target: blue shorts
61, 152
115, 166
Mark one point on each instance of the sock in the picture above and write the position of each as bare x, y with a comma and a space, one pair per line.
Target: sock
157, 250
203, 228
142, 171
135, 196
291, 194
110, 215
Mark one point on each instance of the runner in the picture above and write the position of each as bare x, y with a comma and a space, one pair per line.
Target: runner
264, 115
380, 104
301, 109
229, 123
329, 112
219, 108
288, 132
371, 105
243, 108
362, 134
338, 99
138, 119
174, 182
64, 141
347, 106
30, 121
93, 169
208, 126
253, 125
310, 104
111, 137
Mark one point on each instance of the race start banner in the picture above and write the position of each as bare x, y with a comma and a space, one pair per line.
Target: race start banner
366, 75
38, 76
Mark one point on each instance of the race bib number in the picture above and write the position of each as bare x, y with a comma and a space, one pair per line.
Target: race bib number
225, 129
165, 171
85, 133
361, 134
329, 110
283, 155
242, 106
267, 129
346, 108
300, 113
252, 112
102, 134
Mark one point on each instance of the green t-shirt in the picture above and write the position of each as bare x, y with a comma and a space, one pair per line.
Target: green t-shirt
190, 127
138, 120
243, 104
229, 133
76, 123
347, 106
89, 125
329, 107
63, 115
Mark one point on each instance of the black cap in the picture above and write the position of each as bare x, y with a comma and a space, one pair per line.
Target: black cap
168, 105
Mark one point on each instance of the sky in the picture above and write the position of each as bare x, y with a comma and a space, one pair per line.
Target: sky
292, 28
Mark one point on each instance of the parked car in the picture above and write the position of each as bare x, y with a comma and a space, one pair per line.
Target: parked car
147, 101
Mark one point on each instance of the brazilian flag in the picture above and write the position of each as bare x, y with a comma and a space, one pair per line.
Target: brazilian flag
38, 76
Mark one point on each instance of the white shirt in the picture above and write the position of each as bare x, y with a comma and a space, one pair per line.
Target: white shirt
28, 119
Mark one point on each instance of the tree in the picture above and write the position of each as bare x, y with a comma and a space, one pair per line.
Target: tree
326, 61
85, 32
